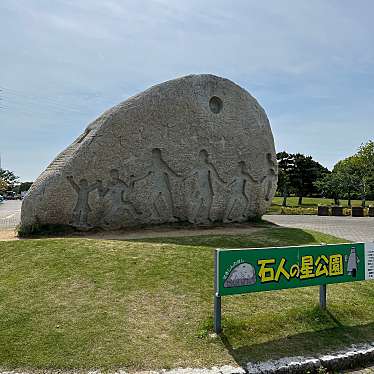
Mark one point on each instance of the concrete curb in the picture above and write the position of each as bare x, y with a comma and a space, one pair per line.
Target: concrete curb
353, 357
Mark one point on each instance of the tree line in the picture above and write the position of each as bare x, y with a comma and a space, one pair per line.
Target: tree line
9, 183
351, 178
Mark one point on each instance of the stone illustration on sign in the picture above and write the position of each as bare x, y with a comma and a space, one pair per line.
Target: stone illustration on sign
243, 274
202, 199
195, 149
352, 262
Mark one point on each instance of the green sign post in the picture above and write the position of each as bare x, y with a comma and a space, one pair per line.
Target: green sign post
239, 271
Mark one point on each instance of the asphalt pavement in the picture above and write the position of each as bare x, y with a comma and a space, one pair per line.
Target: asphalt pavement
10, 214
356, 229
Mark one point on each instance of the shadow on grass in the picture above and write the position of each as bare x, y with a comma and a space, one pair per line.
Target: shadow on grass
275, 236
307, 344
53, 231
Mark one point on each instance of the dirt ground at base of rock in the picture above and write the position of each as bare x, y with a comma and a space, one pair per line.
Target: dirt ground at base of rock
155, 232
8, 235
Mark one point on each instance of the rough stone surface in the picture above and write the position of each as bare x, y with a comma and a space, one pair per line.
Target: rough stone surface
196, 149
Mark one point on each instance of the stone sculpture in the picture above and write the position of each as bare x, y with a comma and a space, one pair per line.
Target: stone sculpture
202, 198
161, 186
82, 207
196, 149
119, 204
238, 192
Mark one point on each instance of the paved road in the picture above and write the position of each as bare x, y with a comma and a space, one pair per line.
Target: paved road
10, 214
360, 229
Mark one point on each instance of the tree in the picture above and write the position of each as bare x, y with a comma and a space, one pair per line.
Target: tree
365, 169
3, 186
353, 176
346, 172
9, 178
22, 187
285, 165
304, 173
329, 185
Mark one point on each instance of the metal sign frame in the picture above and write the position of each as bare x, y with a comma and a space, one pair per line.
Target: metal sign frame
238, 271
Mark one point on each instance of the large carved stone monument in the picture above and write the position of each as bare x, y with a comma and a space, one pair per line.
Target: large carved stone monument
196, 149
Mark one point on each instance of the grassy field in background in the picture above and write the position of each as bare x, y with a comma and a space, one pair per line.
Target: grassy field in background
309, 205
315, 201
147, 304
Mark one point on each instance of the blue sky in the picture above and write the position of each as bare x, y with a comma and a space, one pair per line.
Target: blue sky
62, 63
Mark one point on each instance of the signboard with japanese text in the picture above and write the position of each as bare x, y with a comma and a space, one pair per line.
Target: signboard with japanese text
369, 258
264, 269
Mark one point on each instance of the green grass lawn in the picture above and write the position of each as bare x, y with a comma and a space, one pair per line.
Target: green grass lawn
147, 304
309, 205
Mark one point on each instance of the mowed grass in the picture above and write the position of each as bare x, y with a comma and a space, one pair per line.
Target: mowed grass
310, 203
147, 304
315, 201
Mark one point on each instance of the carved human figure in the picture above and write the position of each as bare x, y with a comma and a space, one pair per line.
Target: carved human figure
160, 173
118, 192
238, 193
202, 200
82, 207
271, 175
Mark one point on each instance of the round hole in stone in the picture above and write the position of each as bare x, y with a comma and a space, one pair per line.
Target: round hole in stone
215, 104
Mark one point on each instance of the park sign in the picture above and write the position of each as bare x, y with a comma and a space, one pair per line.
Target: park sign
239, 271
265, 269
